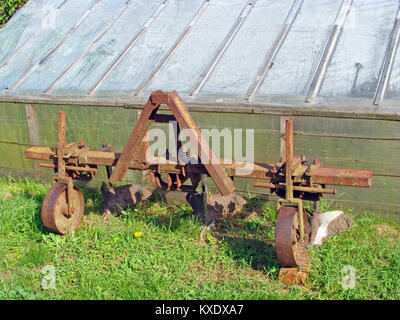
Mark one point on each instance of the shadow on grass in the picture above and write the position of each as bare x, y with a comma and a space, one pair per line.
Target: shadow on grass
258, 254
248, 247
244, 242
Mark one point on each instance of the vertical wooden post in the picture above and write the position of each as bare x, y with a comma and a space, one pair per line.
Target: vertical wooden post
33, 131
61, 144
283, 142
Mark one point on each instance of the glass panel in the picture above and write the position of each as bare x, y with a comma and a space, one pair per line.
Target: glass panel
356, 63
185, 67
294, 65
65, 55
23, 25
149, 51
91, 67
393, 89
239, 65
47, 39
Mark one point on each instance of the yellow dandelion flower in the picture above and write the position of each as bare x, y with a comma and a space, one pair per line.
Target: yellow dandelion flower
137, 234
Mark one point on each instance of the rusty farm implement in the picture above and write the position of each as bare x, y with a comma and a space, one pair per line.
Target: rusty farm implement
293, 179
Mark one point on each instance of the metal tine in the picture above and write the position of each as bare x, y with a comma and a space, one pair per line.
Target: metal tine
287, 24
329, 49
16, 52
42, 60
224, 45
175, 47
113, 19
121, 56
387, 65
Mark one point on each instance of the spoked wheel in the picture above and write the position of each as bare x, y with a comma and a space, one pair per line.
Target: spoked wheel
291, 252
55, 215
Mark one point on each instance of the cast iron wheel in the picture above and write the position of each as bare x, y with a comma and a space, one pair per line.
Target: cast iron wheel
291, 252
55, 209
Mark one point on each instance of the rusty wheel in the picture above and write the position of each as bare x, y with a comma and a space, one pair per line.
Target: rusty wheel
55, 209
291, 252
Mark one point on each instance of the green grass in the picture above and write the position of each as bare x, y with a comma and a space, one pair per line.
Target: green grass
8, 8
103, 259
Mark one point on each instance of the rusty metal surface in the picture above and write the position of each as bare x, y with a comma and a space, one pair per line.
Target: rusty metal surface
262, 171
219, 206
208, 158
55, 205
292, 275
132, 146
185, 121
289, 250
345, 177
293, 179
120, 198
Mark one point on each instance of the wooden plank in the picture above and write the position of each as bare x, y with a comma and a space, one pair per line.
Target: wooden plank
379, 156
348, 128
33, 130
92, 125
351, 143
12, 156
13, 128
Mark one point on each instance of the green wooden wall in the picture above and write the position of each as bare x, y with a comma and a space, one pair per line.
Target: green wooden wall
337, 142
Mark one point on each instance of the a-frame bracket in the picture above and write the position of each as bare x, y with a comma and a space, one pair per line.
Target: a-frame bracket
133, 149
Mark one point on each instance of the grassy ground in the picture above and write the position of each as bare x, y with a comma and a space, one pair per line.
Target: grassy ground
104, 260
8, 8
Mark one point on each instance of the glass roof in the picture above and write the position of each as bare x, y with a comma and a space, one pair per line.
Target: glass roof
299, 53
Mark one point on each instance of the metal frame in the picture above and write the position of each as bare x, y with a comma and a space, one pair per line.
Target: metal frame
113, 19
175, 47
269, 60
122, 55
293, 179
48, 55
185, 121
387, 65
224, 45
329, 50
312, 177
16, 52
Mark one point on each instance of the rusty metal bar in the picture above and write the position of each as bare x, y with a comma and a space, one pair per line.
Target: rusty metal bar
175, 47
110, 23
329, 49
329, 176
49, 165
225, 44
208, 159
135, 140
269, 60
61, 144
387, 66
283, 120
295, 188
344, 177
289, 159
121, 56
44, 59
